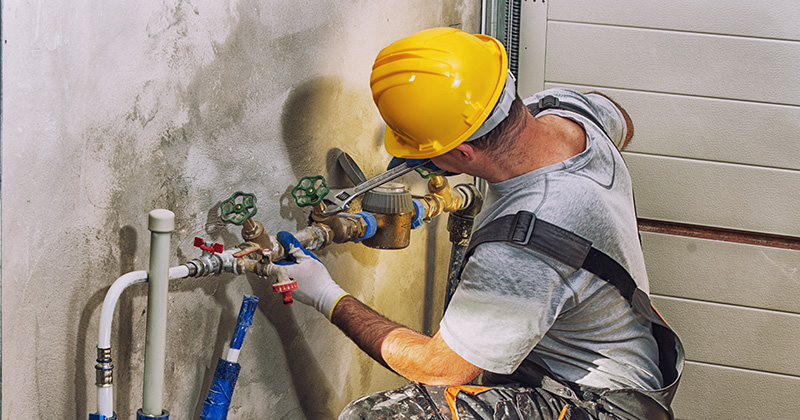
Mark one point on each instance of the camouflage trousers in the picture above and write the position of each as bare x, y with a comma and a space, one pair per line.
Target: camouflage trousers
466, 402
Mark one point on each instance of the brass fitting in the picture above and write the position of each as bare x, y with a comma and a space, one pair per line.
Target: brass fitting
315, 236
253, 231
104, 369
459, 222
442, 198
393, 231
263, 267
249, 265
344, 226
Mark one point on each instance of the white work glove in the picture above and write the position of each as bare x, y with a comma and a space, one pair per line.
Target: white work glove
315, 287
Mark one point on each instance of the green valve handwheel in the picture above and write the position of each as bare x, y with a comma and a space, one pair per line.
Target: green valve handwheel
238, 208
310, 190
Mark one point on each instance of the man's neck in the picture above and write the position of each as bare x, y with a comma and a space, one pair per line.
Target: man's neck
545, 141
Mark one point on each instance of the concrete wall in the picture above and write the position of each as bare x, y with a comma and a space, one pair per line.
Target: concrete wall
112, 110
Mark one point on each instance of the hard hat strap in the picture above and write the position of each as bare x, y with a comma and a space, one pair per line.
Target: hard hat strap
500, 111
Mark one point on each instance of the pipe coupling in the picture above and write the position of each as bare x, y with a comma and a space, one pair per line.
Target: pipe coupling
104, 369
315, 236
140, 415
472, 199
210, 264
460, 228
459, 222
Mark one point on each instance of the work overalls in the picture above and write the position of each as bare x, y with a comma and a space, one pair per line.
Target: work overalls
532, 392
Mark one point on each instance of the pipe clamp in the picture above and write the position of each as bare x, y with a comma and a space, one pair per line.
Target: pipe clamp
140, 415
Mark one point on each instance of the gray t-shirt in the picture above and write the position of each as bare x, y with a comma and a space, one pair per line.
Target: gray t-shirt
513, 302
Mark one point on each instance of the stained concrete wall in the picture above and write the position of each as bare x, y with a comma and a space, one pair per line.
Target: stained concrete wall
111, 110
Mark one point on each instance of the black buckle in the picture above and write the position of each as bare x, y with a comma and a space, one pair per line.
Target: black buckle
548, 102
528, 231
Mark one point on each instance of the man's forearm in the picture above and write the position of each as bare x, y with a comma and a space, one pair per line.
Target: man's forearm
363, 325
413, 355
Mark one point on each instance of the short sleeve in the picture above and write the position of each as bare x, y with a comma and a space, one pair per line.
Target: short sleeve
507, 299
610, 116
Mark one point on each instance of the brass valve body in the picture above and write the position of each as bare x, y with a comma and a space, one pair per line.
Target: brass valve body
393, 232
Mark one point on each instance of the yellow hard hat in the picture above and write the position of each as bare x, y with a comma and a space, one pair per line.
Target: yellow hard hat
436, 88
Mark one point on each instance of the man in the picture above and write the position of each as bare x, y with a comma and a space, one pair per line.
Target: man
556, 340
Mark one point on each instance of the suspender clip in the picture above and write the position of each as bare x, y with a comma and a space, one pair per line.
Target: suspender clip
518, 228
548, 102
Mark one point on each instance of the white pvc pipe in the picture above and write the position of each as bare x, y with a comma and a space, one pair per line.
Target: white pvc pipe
105, 394
161, 223
110, 304
105, 401
114, 292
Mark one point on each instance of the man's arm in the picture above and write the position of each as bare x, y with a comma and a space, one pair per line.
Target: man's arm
415, 356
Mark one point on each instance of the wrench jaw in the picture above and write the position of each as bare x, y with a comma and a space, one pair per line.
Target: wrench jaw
340, 199
335, 201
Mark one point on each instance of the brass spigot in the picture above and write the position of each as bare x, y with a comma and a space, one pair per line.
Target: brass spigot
441, 198
254, 234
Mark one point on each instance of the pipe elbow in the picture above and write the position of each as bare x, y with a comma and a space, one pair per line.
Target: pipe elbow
471, 200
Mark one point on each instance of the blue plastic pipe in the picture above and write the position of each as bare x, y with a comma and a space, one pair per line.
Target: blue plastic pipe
218, 401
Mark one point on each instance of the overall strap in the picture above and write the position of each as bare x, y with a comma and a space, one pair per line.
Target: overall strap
524, 229
550, 101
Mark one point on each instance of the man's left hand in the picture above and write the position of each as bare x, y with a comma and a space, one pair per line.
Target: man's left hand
315, 287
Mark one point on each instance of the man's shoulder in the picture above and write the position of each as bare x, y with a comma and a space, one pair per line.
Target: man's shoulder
597, 108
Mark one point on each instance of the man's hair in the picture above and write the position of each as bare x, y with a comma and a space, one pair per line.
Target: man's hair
500, 141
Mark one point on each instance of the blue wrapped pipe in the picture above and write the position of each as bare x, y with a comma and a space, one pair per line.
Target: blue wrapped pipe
96, 416
249, 305
218, 400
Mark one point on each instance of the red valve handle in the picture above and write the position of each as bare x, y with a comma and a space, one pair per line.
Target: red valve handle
285, 289
200, 243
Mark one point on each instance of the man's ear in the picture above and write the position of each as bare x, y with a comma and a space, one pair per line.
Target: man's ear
465, 151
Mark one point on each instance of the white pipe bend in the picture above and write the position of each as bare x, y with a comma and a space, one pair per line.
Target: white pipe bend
105, 393
114, 293
110, 304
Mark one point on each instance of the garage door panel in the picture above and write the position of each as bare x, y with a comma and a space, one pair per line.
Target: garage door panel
674, 62
716, 194
717, 392
763, 19
717, 130
723, 272
735, 336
